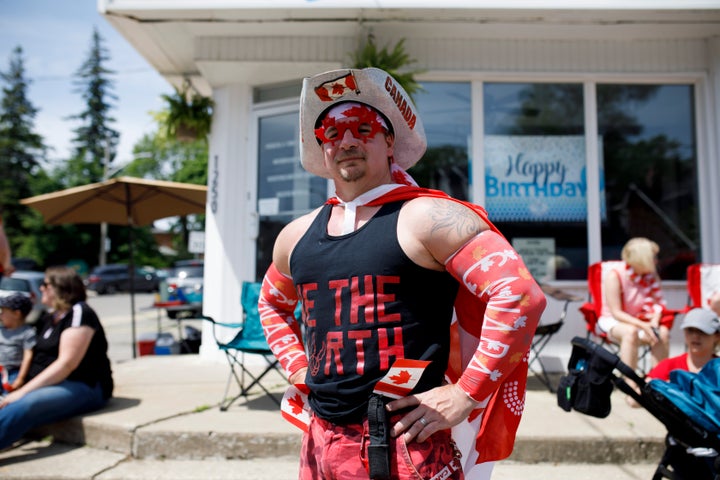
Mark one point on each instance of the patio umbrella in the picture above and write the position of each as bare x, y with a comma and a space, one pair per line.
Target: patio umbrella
121, 201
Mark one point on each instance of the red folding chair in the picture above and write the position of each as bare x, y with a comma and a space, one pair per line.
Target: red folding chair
592, 309
702, 280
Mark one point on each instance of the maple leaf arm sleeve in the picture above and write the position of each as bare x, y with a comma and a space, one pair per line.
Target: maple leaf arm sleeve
276, 305
490, 269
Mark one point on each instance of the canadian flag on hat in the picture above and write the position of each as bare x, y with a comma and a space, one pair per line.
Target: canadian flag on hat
334, 89
401, 378
294, 406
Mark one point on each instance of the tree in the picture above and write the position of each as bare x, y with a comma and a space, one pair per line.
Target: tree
95, 140
21, 149
395, 62
173, 160
159, 155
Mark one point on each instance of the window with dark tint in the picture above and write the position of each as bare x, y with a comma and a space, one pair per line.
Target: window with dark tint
445, 109
15, 284
535, 186
649, 161
186, 272
285, 190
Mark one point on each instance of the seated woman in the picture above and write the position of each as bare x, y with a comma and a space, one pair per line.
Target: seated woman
70, 371
633, 307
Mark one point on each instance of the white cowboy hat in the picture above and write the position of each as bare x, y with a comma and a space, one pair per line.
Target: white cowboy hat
373, 87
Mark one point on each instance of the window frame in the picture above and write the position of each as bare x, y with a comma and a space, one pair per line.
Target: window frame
704, 121
589, 81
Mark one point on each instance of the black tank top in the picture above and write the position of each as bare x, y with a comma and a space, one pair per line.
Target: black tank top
366, 304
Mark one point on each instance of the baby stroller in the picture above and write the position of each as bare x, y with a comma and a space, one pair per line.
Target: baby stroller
688, 406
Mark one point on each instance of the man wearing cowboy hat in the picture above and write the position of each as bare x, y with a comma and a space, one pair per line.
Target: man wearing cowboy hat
380, 270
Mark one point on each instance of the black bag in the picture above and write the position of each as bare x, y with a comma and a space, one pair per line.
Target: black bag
379, 447
588, 385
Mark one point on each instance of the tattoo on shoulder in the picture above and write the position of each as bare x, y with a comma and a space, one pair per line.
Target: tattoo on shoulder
448, 216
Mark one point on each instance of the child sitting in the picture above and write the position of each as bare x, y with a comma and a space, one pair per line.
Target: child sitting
17, 340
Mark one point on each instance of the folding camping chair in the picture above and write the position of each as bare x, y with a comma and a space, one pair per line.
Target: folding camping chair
702, 280
592, 309
545, 332
250, 339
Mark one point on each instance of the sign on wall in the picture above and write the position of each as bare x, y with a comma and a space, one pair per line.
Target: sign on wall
537, 254
196, 242
536, 178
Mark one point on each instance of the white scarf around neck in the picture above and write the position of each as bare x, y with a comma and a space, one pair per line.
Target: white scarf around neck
361, 200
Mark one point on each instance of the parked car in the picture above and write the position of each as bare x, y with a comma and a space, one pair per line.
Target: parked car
28, 283
25, 264
115, 278
184, 285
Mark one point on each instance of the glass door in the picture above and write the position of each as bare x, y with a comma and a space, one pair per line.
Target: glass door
285, 190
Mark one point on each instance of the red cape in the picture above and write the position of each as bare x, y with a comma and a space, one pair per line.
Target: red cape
496, 435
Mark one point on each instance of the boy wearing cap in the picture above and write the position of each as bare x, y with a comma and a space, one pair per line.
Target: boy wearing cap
17, 340
381, 271
702, 337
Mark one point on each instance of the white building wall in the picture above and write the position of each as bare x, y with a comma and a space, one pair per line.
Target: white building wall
229, 228
231, 223
465, 54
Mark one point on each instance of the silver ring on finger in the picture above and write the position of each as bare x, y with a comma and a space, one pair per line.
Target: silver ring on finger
423, 422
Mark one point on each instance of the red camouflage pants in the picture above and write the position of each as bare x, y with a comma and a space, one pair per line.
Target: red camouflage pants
339, 452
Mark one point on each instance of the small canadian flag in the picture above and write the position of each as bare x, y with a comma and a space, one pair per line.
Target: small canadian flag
294, 406
334, 89
401, 378
5, 383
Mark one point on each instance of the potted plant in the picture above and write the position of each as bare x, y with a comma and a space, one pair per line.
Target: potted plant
392, 61
189, 115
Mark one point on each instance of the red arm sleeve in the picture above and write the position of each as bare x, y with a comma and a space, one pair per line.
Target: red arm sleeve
490, 269
277, 303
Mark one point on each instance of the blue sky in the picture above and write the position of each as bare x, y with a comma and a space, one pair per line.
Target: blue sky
55, 36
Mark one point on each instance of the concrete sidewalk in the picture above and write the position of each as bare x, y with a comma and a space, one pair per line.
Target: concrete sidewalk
164, 423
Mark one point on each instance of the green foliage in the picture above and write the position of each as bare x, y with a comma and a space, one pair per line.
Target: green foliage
392, 61
189, 115
94, 143
175, 161
444, 167
21, 150
145, 248
24, 173
164, 158
95, 140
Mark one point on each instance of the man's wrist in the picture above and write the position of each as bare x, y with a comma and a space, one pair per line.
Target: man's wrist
466, 388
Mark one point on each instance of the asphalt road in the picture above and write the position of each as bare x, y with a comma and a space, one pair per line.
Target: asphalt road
114, 312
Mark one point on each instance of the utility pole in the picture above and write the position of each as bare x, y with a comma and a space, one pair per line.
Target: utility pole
107, 175
102, 259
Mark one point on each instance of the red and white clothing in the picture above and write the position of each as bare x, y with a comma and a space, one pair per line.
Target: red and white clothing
662, 370
364, 311
641, 296
497, 308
